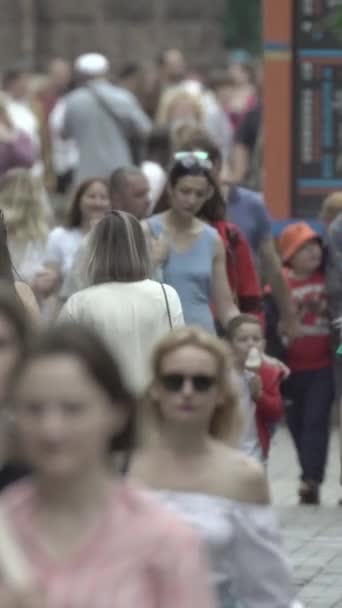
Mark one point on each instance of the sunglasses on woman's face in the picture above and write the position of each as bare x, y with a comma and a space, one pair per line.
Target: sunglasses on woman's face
198, 158
175, 382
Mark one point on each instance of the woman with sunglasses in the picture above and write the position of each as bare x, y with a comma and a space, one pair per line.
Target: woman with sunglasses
194, 469
193, 260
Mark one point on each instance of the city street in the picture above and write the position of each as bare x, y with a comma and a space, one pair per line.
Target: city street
312, 535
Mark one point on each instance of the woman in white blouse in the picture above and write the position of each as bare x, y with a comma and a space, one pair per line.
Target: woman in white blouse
192, 401
130, 311
90, 202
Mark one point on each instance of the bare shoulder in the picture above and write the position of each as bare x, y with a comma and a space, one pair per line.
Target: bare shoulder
253, 484
28, 299
246, 479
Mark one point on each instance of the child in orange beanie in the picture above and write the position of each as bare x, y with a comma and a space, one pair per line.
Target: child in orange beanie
309, 391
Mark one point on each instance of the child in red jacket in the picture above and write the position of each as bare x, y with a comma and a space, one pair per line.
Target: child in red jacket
309, 391
260, 384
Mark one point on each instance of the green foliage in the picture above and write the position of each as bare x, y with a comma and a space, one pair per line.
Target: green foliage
243, 25
334, 22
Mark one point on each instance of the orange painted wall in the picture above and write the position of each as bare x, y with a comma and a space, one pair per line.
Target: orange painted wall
278, 122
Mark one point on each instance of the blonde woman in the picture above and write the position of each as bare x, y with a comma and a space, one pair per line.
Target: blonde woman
187, 105
192, 467
128, 310
25, 208
178, 106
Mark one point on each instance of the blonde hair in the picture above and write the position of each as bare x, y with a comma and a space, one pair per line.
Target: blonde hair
169, 100
22, 202
331, 207
4, 115
117, 250
226, 422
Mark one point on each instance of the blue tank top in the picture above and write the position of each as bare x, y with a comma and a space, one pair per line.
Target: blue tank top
190, 273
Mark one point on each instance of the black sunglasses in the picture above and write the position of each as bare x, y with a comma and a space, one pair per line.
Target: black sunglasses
175, 382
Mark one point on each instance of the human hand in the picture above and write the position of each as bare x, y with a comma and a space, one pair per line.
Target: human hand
284, 370
290, 329
25, 598
255, 387
46, 281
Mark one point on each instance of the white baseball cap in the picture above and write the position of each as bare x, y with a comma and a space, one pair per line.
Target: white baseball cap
92, 64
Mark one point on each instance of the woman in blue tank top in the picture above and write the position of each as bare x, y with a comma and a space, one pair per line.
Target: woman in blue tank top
192, 258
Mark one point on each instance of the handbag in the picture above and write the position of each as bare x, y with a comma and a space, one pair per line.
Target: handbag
167, 305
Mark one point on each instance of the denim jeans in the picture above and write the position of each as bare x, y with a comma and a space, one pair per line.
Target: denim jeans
308, 397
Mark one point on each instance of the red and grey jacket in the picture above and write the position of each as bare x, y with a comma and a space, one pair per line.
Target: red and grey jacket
241, 272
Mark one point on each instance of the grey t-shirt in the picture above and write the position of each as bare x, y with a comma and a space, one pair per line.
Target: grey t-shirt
103, 141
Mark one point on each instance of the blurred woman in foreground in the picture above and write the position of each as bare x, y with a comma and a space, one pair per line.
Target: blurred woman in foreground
195, 470
82, 539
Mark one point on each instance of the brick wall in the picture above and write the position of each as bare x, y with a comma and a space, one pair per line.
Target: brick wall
123, 29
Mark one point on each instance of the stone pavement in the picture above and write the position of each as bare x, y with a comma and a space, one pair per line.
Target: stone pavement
312, 535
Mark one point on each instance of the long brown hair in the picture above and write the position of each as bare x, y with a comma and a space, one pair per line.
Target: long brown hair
212, 210
74, 217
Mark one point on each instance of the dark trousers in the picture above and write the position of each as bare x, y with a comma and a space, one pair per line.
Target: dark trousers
308, 398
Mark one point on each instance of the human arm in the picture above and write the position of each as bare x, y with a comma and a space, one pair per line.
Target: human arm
255, 386
270, 403
240, 161
244, 144
13, 598
132, 114
221, 292
185, 574
262, 570
57, 118
18, 584
247, 281
29, 301
278, 364
158, 245
272, 268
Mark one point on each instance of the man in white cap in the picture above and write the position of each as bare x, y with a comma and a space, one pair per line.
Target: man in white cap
102, 119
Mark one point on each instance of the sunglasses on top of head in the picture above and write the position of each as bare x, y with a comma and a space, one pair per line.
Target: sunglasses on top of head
174, 383
198, 158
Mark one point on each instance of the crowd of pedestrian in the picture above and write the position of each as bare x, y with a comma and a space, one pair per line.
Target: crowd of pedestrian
153, 335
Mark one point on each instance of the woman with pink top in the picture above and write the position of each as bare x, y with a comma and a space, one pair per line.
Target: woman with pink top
72, 536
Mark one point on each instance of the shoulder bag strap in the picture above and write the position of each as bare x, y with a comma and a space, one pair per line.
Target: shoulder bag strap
167, 305
107, 109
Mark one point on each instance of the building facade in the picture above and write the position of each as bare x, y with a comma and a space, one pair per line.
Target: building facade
124, 30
